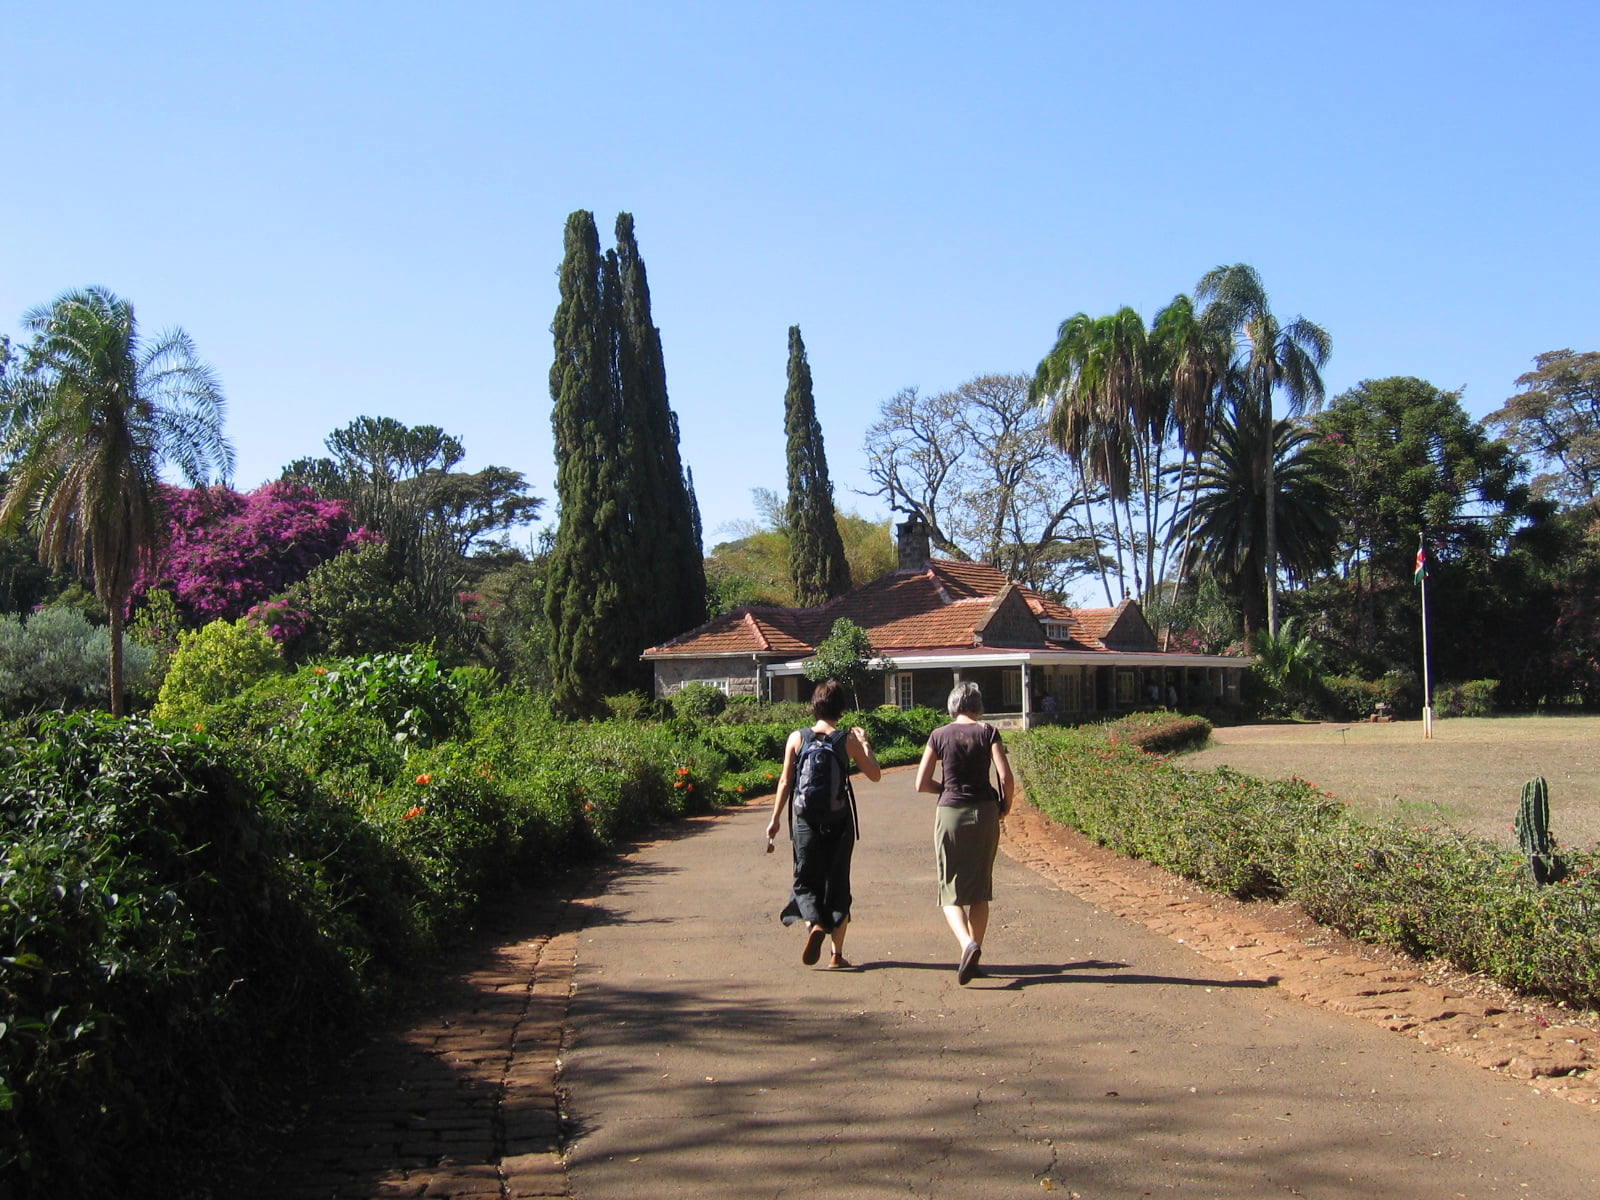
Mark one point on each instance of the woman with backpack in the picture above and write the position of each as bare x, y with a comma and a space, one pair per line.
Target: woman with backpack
816, 783
966, 825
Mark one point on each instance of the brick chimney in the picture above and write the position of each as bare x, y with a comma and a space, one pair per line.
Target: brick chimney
911, 541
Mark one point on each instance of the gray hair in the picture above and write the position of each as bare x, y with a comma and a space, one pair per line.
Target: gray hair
965, 698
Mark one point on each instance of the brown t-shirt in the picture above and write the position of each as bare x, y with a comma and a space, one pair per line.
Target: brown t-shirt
964, 754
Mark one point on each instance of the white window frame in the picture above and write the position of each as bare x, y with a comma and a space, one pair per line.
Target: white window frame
903, 690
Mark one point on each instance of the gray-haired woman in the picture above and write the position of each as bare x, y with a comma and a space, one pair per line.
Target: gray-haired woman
966, 827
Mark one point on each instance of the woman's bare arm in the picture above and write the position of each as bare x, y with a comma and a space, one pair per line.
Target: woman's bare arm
860, 749
1008, 781
925, 780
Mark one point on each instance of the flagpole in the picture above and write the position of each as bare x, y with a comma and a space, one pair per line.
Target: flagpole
1427, 689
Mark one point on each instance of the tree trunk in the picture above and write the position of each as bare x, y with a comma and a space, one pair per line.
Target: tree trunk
115, 608
1269, 568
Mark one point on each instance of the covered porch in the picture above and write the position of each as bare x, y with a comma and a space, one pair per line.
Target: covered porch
1024, 688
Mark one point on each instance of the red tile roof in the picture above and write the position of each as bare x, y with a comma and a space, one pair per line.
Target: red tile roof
944, 607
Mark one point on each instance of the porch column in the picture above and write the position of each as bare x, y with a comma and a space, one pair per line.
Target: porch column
1027, 696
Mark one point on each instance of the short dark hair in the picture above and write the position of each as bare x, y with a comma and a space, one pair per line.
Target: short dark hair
827, 701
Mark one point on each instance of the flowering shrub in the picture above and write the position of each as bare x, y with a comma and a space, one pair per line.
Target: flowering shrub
225, 551
1429, 893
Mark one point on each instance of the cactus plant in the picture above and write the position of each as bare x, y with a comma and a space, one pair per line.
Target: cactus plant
1533, 833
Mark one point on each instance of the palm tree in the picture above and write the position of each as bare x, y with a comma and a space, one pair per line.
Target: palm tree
87, 425
1229, 511
1268, 357
1105, 409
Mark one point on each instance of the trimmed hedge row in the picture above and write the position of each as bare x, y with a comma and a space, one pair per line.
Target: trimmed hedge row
184, 909
1430, 893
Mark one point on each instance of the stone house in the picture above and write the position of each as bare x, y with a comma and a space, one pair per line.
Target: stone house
939, 622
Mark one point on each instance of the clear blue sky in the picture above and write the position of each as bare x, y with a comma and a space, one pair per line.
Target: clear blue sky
358, 208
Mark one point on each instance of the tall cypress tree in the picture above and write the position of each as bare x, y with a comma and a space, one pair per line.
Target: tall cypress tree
667, 518
626, 571
816, 551
591, 650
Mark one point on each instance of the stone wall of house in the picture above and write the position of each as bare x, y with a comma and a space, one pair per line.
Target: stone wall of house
735, 676
1013, 625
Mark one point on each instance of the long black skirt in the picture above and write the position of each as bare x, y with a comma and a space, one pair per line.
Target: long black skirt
821, 894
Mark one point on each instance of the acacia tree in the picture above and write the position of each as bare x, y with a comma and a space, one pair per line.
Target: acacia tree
977, 466
816, 552
86, 426
1555, 418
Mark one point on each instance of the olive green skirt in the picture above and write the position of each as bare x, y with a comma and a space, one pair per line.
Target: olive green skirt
965, 840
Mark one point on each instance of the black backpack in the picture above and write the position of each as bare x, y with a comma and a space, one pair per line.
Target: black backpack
822, 778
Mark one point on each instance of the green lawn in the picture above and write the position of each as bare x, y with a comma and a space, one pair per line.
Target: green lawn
1469, 775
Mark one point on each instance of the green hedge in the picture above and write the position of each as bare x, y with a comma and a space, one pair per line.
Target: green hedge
185, 909
1431, 894
1475, 698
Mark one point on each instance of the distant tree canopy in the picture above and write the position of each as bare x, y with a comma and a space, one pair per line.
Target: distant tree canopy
754, 567
626, 571
1555, 420
978, 467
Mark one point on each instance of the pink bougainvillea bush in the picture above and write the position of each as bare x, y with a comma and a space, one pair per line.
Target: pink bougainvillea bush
226, 551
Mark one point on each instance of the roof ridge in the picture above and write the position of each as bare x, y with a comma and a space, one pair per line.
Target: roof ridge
755, 628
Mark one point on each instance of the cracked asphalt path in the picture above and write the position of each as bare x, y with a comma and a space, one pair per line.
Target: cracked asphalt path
1096, 1058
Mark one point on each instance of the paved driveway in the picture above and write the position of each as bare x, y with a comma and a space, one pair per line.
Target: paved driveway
1097, 1058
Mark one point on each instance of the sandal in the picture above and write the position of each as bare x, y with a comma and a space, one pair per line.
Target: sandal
837, 962
969, 962
813, 950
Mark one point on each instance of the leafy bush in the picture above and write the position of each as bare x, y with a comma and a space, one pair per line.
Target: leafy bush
630, 706
405, 692
1159, 732
355, 603
1349, 698
57, 659
1474, 698
1444, 895
163, 935
211, 664
698, 701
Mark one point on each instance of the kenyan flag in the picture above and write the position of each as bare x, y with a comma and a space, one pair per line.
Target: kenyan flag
1421, 572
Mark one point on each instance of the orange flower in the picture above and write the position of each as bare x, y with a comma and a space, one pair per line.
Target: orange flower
424, 779
683, 770
199, 726
769, 775
679, 784
739, 789
414, 811
319, 670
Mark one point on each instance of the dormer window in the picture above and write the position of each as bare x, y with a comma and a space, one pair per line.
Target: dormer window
1057, 631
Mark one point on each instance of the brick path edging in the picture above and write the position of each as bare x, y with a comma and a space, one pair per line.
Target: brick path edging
1552, 1052
460, 1105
